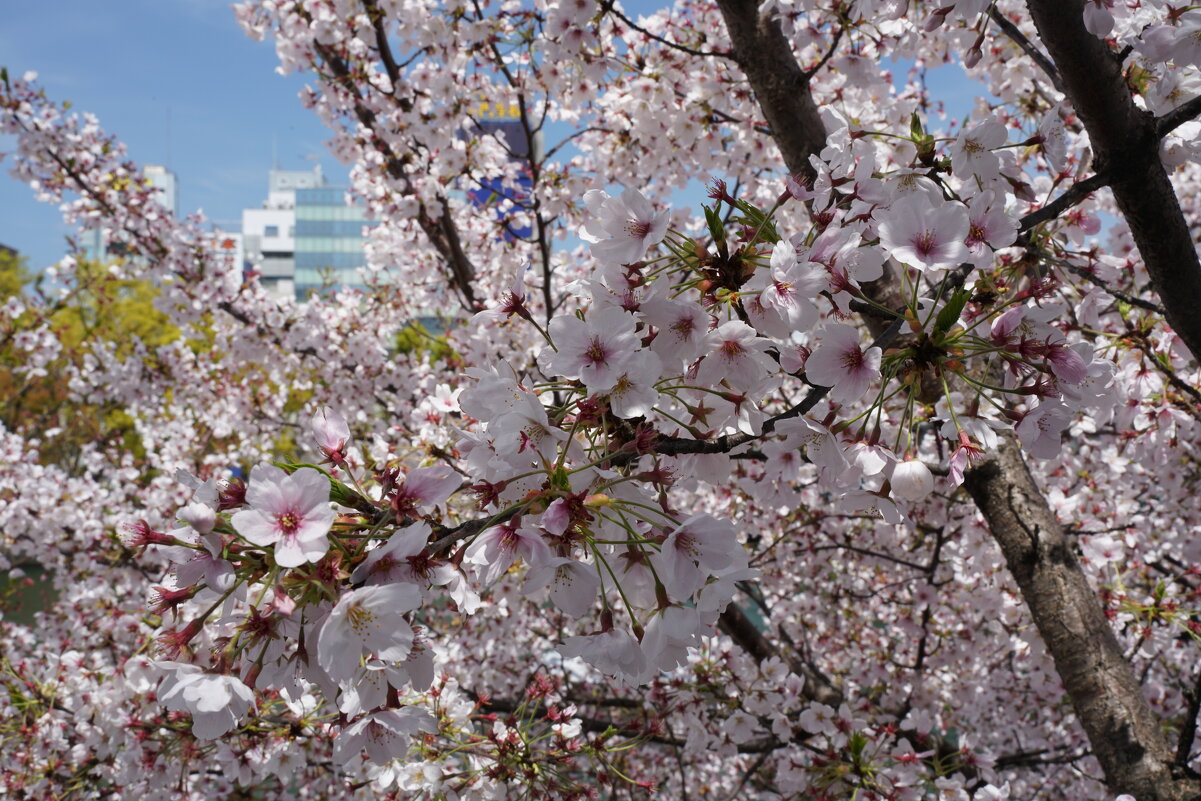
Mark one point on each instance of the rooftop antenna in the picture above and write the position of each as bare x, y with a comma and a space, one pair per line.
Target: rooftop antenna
168, 161
274, 152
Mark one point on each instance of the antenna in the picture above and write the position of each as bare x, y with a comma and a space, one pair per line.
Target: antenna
168, 159
274, 152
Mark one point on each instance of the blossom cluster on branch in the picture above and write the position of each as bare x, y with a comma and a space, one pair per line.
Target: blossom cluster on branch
719, 502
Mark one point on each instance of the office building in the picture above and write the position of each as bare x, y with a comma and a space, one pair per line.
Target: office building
269, 233
329, 240
306, 237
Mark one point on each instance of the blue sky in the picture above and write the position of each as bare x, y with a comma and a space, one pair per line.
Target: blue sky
179, 83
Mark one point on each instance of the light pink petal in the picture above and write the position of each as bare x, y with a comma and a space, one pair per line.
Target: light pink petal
255, 527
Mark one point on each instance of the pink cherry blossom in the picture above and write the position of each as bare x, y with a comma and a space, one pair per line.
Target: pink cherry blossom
840, 362
290, 512
693, 550
613, 652
385, 735
365, 622
972, 151
595, 350
737, 356
331, 431
681, 329
498, 547
1040, 429
215, 702
571, 585
924, 235
622, 228
911, 480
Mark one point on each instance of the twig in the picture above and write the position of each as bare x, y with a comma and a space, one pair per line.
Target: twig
608, 8
1028, 47
1075, 193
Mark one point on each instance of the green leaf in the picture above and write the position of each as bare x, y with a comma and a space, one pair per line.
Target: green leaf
915, 128
949, 315
755, 218
716, 230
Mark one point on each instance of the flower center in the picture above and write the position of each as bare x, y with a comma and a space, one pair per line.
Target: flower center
683, 329
360, 619
925, 243
288, 522
732, 349
596, 353
638, 229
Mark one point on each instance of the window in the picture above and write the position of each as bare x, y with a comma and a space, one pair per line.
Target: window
271, 230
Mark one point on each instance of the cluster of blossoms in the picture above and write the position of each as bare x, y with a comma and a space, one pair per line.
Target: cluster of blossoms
685, 509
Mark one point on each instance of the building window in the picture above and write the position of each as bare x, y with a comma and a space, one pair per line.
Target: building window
271, 230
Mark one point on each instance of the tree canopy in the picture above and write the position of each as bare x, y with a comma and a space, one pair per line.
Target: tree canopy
870, 475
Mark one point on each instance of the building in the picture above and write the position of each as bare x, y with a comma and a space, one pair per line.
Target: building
227, 246
269, 233
165, 181
503, 120
329, 240
306, 237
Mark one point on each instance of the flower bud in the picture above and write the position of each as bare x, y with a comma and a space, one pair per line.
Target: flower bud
911, 480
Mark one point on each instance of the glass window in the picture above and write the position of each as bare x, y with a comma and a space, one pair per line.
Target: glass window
271, 230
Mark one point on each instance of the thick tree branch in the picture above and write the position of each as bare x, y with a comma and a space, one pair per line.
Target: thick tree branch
1125, 734
780, 85
1125, 141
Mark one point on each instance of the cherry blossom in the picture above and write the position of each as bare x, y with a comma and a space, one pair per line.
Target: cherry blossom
622, 228
911, 480
925, 236
594, 351
215, 702
290, 512
841, 363
365, 622
658, 516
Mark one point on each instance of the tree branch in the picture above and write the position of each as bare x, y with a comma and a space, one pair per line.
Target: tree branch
1021, 40
1074, 194
1125, 140
1125, 734
1178, 116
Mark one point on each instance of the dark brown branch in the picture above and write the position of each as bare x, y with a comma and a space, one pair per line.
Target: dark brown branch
780, 85
629, 728
441, 230
739, 628
1178, 116
1188, 729
381, 42
1125, 141
825, 59
1125, 734
1074, 194
607, 8
1097, 282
